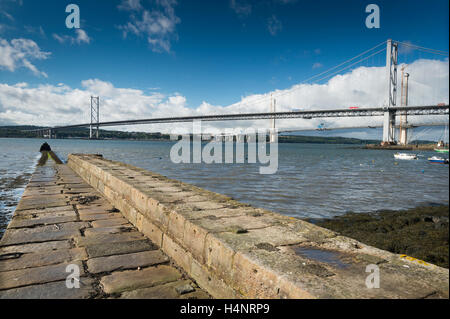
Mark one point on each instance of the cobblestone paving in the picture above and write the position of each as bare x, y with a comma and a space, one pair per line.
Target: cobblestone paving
63, 221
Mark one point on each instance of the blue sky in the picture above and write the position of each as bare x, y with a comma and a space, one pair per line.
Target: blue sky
219, 50
157, 58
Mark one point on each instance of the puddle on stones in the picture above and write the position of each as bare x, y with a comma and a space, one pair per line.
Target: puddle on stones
325, 256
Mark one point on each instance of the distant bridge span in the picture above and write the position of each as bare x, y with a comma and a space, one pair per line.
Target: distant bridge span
360, 112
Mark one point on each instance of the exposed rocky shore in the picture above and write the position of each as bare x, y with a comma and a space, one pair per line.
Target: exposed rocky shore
421, 232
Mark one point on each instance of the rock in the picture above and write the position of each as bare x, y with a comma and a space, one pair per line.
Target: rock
184, 289
45, 147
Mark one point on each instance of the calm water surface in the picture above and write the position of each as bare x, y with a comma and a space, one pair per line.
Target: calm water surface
313, 180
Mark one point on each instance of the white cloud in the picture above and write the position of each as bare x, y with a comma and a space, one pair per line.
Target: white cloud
81, 37
364, 87
7, 15
274, 25
130, 5
242, 8
36, 30
157, 25
18, 53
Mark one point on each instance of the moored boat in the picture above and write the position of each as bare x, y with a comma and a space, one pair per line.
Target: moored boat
438, 160
441, 150
405, 156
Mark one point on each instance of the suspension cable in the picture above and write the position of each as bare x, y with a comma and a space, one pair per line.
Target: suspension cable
324, 72
428, 50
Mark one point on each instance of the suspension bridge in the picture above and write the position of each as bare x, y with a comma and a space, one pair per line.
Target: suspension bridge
389, 111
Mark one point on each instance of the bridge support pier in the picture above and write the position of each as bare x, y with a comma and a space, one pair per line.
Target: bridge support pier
95, 117
389, 127
273, 136
389, 115
403, 135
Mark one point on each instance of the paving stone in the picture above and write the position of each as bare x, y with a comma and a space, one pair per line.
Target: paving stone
36, 247
42, 233
127, 247
109, 222
107, 238
38, 275
188, 213
41, 184
208, 205
43, 219
225, 224
166, 291
98, 204
134, 279
92, 217
274, 235
108, 230
127, 261
93, 211
53, 290
78, 191
40, 259
184, 289
197, 294
41, 201
42, 210
34, 237
54, 190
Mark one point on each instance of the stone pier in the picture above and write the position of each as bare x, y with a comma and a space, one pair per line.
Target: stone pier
137, 234
62, 221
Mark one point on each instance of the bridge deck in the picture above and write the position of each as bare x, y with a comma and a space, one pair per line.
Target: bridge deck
61, 220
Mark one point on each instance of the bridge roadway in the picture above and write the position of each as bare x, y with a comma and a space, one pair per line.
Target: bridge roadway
360, 112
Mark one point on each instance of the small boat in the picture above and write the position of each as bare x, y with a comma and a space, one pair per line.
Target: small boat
437, 159
441, 150
405, 156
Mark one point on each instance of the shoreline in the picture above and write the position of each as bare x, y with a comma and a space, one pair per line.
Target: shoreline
11, 189
421, 232
409, 147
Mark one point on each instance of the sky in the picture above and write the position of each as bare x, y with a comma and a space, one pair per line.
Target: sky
152, 58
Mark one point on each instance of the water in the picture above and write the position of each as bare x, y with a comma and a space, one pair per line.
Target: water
313, 180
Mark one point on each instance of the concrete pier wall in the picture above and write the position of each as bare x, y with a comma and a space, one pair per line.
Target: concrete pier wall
234, 250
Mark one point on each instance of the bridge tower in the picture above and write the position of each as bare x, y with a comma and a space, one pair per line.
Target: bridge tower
273, 105
403, 131
95, 117
389, 115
